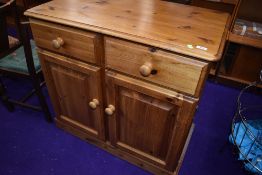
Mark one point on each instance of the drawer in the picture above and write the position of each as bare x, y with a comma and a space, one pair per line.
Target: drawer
155, 65
84, 46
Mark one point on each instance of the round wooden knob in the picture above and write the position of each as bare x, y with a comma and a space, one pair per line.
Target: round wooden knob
58, 42
110, 110
145, 70
94, 103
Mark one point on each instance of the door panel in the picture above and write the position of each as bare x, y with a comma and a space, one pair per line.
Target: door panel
146, 123
74, 85
147, 119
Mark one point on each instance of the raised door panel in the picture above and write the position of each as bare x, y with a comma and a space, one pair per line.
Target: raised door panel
145, 123
149, 122
73, 85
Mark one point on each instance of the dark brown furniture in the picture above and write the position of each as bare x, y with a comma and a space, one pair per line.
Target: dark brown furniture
4, 10
28, 70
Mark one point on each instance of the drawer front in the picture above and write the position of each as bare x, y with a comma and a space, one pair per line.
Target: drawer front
67, 41
155, 65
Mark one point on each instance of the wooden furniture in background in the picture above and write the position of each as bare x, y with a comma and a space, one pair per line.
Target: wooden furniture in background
9, 19
125, 76
242, 61
3, 28
21, 6
26, 4
19, 61
229, 6
245, 65
221, 5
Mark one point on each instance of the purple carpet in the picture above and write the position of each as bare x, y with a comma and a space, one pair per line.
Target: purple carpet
30, 146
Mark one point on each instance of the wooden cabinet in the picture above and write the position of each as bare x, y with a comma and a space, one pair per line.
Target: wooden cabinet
75, 89
127, 76
147, 121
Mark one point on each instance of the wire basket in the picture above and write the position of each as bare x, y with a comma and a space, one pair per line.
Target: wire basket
246, 132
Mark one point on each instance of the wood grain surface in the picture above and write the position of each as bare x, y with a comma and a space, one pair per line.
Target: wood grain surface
184, 29
168, 69
79, 44
127, 75
72, 85
149, 121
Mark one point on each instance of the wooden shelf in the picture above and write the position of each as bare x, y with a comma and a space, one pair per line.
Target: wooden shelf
229, 1
234, 2
240, 64
244, 40
230, 80
212, 71
234, 79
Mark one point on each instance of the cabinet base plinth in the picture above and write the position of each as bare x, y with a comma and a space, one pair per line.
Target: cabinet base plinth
121, 154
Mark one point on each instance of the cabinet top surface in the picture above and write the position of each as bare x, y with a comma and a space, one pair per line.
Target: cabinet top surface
188, 30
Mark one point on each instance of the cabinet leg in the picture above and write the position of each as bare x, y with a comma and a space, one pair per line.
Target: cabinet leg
42, 101
4, 98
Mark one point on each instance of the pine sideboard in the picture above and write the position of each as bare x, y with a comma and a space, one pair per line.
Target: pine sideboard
127, 75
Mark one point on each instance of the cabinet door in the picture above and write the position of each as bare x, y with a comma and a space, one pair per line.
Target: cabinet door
72, 85
146, 120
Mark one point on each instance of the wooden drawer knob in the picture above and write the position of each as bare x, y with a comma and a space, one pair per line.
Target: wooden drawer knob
110, 110
58, 42
145, 70
94, 103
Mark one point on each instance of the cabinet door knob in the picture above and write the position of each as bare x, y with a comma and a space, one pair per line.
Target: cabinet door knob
145, 69
58, 42
110, 110
94, 103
